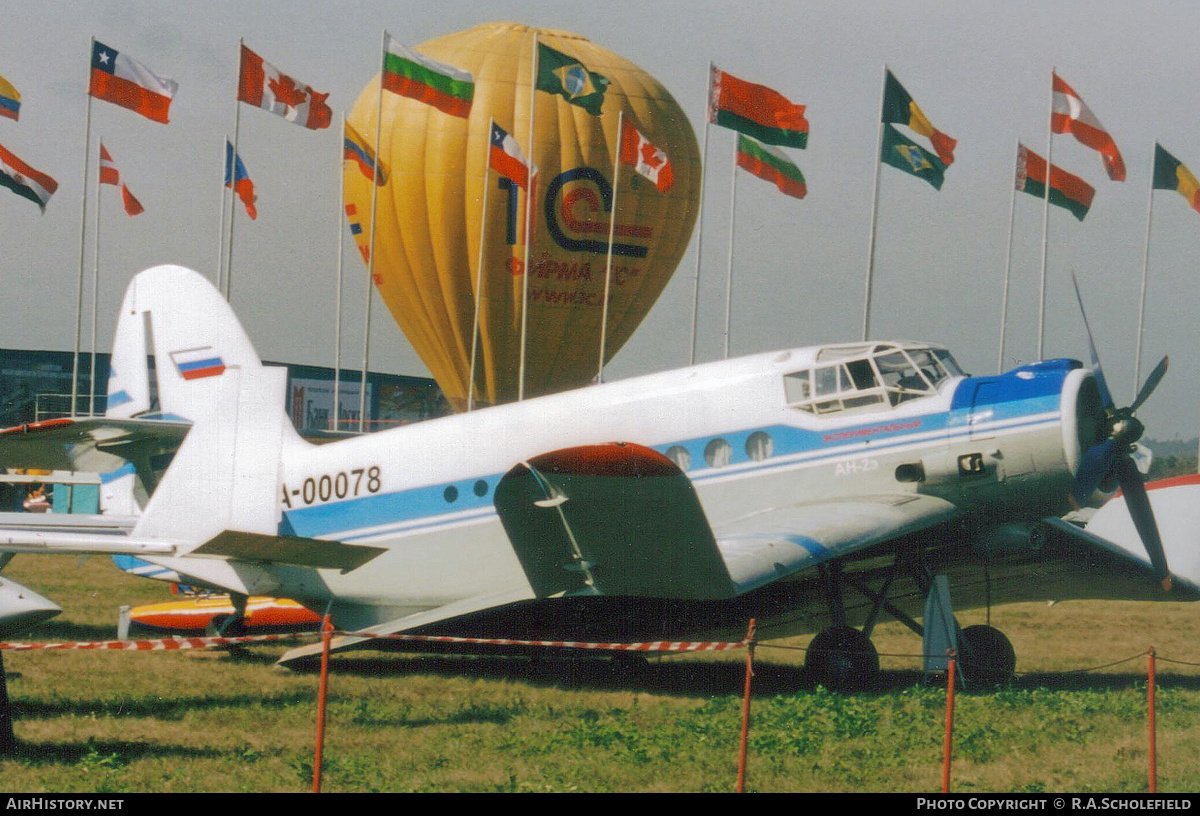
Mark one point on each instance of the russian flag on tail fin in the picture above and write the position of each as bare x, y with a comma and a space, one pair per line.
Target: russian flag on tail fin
197, 363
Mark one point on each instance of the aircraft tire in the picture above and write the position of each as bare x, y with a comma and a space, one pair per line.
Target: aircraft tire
842, 659
986, 657
226, 626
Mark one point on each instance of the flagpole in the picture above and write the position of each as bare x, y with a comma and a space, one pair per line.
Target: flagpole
362, 385
612, 231
700, 214
95, 292
1012, 209
1137, 357
874, 216
237, 125
87, 140
1041, 344
729, 268
529, 204
221, 213
479, 266
337, 323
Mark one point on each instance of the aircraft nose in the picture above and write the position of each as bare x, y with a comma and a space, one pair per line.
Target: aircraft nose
21, 609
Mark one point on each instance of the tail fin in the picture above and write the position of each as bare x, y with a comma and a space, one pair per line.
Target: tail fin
178, 317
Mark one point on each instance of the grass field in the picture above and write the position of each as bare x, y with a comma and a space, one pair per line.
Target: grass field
189, 721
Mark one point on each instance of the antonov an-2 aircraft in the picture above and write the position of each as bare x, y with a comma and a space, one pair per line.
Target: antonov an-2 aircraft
814, 489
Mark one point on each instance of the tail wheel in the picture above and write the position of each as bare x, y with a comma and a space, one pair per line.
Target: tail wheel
986, 657
842, 659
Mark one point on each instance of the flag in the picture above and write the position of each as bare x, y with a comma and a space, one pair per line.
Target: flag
109, 175
10, 100
23, 180
416, 76
1066, 190
506, 158
242, 185
356, 149
559, 74
907, 155
356, 229
646, 159
1172, 174
124, 81
262, 85
755, 110
769, 163
900, 108
1068, 114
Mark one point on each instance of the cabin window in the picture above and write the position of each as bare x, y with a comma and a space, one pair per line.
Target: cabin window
680, 456
718, 453
759, 446
884, 374
796, 387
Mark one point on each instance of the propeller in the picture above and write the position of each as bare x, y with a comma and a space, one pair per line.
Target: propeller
1110, 461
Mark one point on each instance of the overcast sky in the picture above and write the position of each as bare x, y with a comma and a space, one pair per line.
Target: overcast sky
980, 71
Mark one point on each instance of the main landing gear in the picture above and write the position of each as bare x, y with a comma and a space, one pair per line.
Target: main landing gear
843, 659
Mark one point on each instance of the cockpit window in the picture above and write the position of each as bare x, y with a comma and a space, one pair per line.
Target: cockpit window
884, 373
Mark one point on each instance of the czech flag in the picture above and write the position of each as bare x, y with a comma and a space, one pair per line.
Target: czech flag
126, 82
241, 183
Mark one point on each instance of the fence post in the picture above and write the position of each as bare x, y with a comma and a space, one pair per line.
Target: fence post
949, 739
8, 739
741, 780
326, 634
1153, 736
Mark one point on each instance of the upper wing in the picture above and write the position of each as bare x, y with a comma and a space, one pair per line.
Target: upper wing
775, 543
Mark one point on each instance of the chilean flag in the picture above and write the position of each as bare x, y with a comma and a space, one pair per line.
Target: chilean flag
262, 85
126, 82
1068, 114
506, 158
197, 363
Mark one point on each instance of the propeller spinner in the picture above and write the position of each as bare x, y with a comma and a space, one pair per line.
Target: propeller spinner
1110, 462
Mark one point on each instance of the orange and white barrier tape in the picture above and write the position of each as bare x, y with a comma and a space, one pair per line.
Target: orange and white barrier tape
179, 643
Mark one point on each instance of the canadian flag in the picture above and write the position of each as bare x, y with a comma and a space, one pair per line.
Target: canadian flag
110, 175
1068, 114
262, 85
647, 159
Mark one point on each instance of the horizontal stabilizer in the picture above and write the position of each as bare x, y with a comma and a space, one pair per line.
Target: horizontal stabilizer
21, 609
617, 519
99, 444
303, 552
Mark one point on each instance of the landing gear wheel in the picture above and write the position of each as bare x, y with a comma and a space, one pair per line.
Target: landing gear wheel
842, 659
229, 626
985, 656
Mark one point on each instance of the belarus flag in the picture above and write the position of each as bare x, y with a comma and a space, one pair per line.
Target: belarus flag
506, 158
262, 85
1068, 114
126, 82
110, 175
647, 159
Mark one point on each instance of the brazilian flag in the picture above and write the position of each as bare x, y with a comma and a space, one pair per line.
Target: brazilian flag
566, 76
905, 154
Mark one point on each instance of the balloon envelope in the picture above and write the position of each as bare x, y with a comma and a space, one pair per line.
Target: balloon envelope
440, 196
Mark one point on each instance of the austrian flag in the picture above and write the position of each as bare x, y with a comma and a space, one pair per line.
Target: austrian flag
262, 85
648, 160
1068, 114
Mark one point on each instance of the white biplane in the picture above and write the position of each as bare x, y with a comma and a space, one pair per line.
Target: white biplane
814, 489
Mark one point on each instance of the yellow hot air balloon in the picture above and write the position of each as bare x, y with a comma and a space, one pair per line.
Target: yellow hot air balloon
430, 211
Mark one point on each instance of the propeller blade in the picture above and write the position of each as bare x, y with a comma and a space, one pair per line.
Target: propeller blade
1097, 461
1105, 396
1151, 383
1143, 518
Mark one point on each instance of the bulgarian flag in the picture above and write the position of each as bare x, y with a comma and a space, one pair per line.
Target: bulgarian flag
899, 107
768, 163
1172, 174
1066, 190
416, 76
1068, 114
23, 180
755, 110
